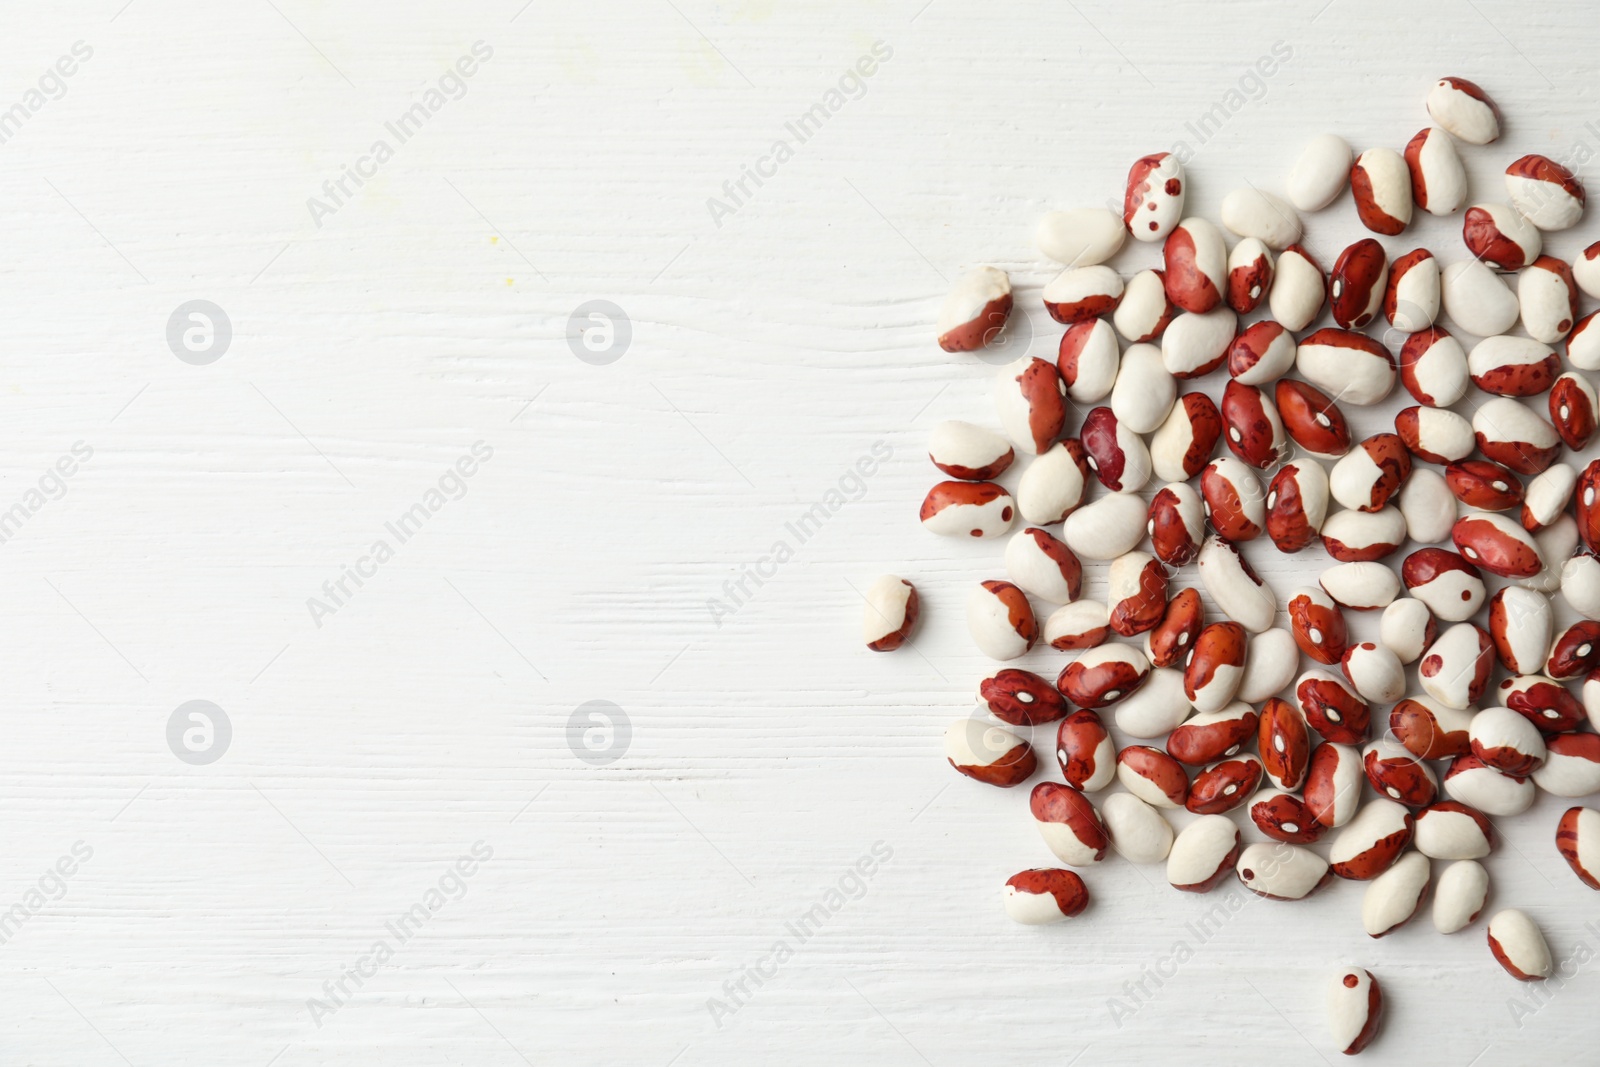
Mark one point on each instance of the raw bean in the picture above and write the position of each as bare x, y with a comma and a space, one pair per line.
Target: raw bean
1433, 368
1395, 773
1000, 620
1396, 894
1234, 501
1573, 410
1357, 282
1458, 899
1438, 180
1545, 192
1043, 566
1215, 666
1476, 299
1381, 185
1580, 585
1578, 839
1183, 445
1547, 497
1081, 237
1376, 672
1116, 454
1249, 275
1510, 433
970, 453
963, 509
1500, 237
1262, 354
1480, 484
1591, 699
1177, 524
1138, 831
1171, 641
1411, 299
1333, 708
1583, 343
1284, 817
1555, 543
1136, 593
1352, 365
1370, 473
1269, 666
1144, 394
1312, 419
1519, 946
1196, 344
1513, 366
1250, 212
1548, 299
1253, 430
1145, 310
1156, 708
1084, 748
1480, 786
1284, 743
1202, 854
1196, 262
1298, 289
1080, 624
1032, 402
1520, 623
1428, 506
1103, 675
1153, 776
1215, 735
1317, 625
1434, 434
1361, 586
1571, 767
1088, 360
989, 754
1320, 172
1107, 528
1021, 698
1451, 587
1223, 786
1498, 545
1506, 741
1281, 872
1455, 669
975, 311
1372, 841
891, 612
1449, 830
1464, 110
1586, 502
1152, 203
1431, 730
1359, 536
1575, 651
1355, 1010
1297, 504
1044, 895
1544, 702
1406, 627
1052, 486
1586, 270
1333, 784
1078, 294
1069, 824
1234, 587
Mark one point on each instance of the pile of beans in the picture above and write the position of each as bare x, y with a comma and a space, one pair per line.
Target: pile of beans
1223, 719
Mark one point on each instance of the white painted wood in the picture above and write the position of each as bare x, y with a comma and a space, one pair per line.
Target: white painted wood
769, 751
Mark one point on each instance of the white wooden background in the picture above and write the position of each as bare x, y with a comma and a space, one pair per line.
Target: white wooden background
767, 751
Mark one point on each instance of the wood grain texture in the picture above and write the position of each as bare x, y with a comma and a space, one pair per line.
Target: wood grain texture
769, 751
